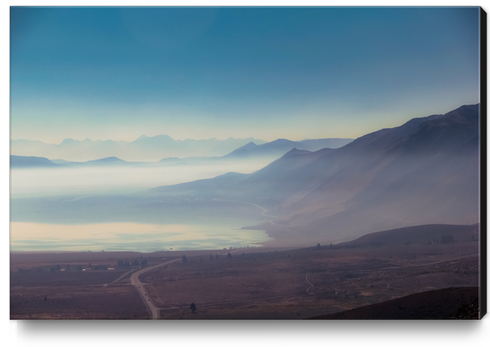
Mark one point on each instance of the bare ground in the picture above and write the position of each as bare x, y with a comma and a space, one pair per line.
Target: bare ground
282, 284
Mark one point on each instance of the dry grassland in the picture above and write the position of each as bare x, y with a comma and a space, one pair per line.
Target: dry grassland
283, 284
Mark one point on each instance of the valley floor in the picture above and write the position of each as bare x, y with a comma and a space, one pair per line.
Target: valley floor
246, 284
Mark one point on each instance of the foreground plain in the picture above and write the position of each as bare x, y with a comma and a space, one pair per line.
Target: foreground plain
251, 283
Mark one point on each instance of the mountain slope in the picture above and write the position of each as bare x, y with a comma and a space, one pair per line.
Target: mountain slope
423, 172
420, 234
280, 147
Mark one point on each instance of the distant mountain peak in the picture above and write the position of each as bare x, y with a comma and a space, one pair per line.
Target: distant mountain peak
104, 161
294, 152
70, 141
67, 141
251, 144
110, 159
281, 141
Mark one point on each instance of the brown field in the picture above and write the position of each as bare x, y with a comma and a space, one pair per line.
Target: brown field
273, 285
76, 302
282, 284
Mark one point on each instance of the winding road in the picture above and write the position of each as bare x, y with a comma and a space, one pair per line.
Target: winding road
141, 287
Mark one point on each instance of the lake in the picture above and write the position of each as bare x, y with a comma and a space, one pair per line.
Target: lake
27, 236
107, 208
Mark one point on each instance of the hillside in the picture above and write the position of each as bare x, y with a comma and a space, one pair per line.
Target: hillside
30, 162
420, 234
280, 147
450, 303
17, 161
425, 171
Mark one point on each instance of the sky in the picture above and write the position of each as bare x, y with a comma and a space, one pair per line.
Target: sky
118, 73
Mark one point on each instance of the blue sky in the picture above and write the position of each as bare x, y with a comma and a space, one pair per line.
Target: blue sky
118, 73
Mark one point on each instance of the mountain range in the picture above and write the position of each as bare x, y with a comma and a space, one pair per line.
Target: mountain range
153, 148
143, 148
270, 150
280, 147
423, 172
426, 171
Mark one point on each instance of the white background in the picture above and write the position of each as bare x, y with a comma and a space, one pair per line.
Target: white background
212, 333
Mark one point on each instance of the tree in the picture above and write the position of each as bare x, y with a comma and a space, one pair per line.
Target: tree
318, 246
229, 255
184, 259
193, 308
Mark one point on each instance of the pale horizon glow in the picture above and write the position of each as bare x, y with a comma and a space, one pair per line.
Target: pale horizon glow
339, 130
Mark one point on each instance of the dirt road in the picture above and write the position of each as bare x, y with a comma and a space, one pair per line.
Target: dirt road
140, 287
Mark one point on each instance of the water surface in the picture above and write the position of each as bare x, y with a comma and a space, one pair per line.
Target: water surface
26, 236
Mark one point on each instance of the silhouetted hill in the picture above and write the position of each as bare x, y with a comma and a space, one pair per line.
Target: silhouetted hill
21, 161
106, 161
449, 303
420, 234
25, 162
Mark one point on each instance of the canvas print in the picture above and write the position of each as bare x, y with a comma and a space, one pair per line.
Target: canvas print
253, 163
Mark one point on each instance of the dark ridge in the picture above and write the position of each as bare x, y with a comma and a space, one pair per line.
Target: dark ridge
295, 152
449, 303
21, 161
420, 234
107, 160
